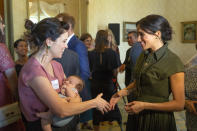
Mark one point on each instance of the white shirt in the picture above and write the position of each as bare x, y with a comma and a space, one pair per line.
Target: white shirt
70, 37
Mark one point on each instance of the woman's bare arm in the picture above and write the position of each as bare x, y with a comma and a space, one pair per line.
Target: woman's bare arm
59, 106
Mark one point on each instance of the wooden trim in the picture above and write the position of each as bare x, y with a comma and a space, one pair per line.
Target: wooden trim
2, 8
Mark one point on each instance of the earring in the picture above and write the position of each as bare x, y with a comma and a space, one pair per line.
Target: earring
48, 47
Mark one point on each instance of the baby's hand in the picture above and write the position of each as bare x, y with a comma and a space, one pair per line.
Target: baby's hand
64, 81
63, 90
67, 89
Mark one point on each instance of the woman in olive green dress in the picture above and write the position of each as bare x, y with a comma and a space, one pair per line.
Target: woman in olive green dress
158, 73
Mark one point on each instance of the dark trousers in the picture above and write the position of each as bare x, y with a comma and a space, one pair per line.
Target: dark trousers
36, 125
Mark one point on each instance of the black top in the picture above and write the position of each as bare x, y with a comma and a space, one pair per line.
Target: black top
18, 68
127, 60
103, 64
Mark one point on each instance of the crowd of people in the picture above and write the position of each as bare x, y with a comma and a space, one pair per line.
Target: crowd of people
66, 81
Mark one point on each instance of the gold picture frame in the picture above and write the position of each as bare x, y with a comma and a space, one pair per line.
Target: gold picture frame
127, 27
189, 32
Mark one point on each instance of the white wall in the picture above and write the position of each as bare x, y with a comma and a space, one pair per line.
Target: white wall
19, 12
179, 11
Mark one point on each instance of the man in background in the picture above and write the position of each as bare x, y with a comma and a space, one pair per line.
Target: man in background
77, 46
132, 55
126, 66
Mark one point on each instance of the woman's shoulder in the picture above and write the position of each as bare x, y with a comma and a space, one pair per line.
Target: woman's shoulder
32, 65
174, 58
31, 70
174, 62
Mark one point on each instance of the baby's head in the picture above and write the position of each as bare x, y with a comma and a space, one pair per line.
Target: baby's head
76, 81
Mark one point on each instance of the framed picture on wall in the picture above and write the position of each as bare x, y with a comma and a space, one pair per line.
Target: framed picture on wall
127, 27
189, 32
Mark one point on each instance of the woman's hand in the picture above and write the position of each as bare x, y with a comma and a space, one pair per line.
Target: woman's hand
189, 105
116, 97
135, 107
102, 105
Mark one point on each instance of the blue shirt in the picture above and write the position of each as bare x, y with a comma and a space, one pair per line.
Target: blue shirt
135, 52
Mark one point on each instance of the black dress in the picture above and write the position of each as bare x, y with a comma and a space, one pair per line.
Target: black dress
101, 67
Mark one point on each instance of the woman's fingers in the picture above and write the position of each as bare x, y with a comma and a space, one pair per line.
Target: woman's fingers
106, 105
113, 101
134, 107
130, 103
102, 105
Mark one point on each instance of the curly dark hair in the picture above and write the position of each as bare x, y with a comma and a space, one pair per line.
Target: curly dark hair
46, 28
17, 42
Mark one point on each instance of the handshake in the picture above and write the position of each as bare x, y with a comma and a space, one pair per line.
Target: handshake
105, 106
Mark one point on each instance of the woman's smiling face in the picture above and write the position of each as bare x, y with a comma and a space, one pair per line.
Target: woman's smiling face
146, 39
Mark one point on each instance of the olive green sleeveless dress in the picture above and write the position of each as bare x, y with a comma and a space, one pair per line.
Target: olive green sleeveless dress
152, 73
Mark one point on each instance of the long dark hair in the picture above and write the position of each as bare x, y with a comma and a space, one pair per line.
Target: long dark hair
153, 23
101, 41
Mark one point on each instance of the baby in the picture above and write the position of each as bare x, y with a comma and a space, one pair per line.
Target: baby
68, 91
65, 91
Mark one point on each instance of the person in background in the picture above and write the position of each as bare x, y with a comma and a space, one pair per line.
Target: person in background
80, 49
191, 98
158, 72
126, 66
113, 45
112, 41
135, 52
76, 45
21, 49
69, 62
86, 38
8, 81
42, 77
103, 66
